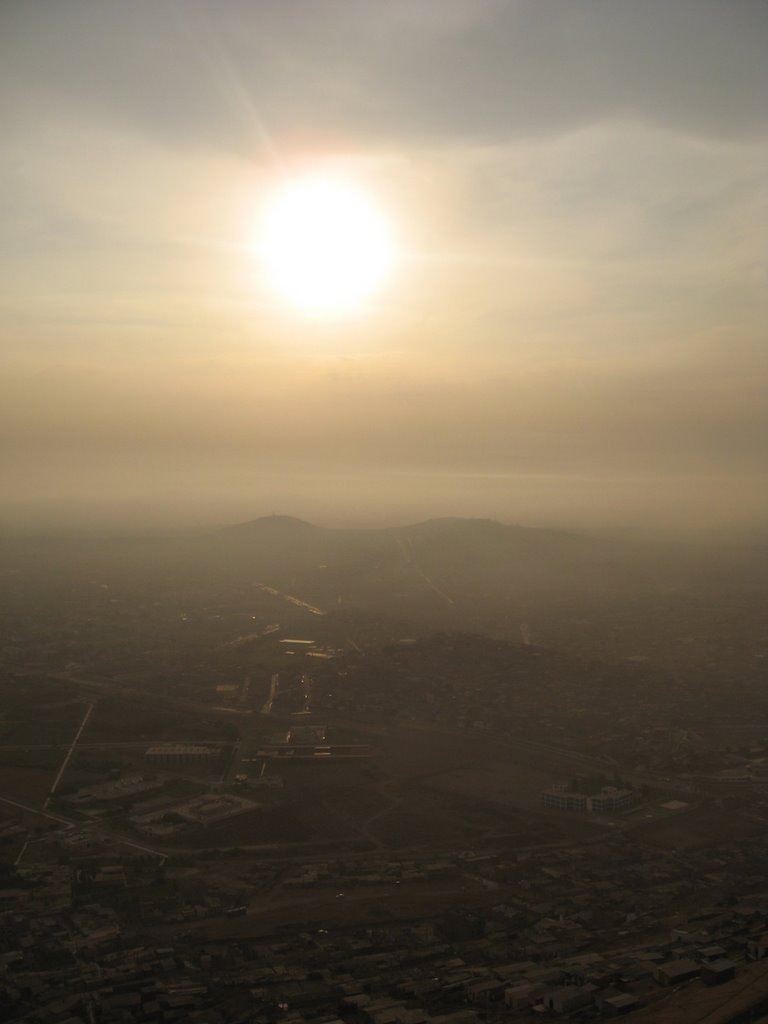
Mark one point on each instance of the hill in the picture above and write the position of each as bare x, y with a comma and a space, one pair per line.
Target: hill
597, 593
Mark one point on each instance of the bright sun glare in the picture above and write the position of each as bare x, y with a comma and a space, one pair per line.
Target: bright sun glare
325, 245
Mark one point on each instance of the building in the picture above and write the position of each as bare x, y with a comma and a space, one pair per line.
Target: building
624, 1002
181, 753
295, 646
567, 999
209, 808
484, 992
127, 788
674, 972
611, 800
259, 781
718, 972
520, 997
557, 800
757, 949
299, 735
709, 954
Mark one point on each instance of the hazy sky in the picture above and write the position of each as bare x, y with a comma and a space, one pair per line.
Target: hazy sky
575, 330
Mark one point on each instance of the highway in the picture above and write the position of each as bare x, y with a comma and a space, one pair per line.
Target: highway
411, 561
291, 599
82, 827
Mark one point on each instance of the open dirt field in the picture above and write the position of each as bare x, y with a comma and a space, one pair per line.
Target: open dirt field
405, 828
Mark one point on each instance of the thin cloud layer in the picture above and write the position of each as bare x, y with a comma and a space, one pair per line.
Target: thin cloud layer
213, 73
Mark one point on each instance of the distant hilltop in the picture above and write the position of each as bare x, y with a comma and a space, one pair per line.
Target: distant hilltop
443, 524
274, 522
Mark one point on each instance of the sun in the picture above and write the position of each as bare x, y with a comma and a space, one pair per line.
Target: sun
325, 245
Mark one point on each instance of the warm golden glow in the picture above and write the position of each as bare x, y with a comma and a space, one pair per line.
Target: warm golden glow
325, 245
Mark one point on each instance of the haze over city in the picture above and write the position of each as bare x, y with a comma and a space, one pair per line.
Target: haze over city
568, 327
383, 551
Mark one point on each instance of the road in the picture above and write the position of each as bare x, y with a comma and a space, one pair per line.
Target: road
114, 744
69, 754
82, 826
411, 561
239, 641
232, 762
266, 708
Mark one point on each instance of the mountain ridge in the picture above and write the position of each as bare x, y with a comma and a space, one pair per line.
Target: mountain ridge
437, 524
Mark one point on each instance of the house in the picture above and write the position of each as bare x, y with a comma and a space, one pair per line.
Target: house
459, 1017
757, 949
520, 997
566, 999
711, 953
484, 992
510, 972
623, 1002
674, 972
718, 972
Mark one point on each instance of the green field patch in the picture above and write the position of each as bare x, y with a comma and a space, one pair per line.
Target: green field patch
47, 760
119, 721
35, 725
27, 785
